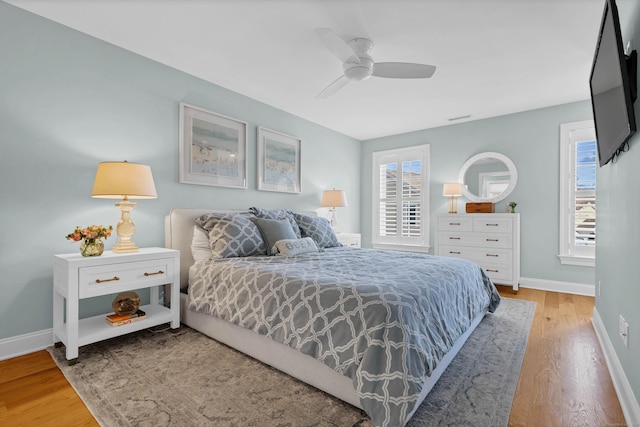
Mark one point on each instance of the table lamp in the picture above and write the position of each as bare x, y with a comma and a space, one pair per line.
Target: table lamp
124, 180
453, 190
333, 199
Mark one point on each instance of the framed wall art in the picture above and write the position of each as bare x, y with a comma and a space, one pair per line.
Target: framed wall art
278, 162
213, 149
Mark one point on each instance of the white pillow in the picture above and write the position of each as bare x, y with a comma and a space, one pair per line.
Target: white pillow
293, 247
200, 248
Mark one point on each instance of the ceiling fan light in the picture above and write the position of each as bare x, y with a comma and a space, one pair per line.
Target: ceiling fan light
359, 71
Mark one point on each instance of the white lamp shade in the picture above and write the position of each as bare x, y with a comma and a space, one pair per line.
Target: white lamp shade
119, 180
452, 189
333, 198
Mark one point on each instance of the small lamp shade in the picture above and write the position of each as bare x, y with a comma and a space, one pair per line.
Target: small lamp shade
452, 190
333, 199
124, 180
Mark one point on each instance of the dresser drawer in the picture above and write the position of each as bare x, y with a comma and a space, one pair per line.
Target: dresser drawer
479, 255
455, 224
498, 273
485, 240
493, 225
106, 279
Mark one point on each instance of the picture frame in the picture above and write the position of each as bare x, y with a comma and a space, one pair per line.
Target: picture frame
279, 167
212, 148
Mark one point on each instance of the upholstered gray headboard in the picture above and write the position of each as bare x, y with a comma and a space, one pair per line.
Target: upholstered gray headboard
178, 233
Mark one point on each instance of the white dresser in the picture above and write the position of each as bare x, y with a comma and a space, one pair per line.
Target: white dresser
491, 240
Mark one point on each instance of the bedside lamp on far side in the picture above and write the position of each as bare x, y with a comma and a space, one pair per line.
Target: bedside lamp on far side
124, 180
333, 199
452, 190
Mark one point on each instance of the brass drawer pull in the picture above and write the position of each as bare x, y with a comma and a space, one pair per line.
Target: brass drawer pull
107, 280
494, 255
157, 272
493, 271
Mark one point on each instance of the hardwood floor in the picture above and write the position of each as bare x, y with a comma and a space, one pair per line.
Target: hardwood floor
564, 379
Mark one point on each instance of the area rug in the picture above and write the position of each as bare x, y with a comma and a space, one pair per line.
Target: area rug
160, 378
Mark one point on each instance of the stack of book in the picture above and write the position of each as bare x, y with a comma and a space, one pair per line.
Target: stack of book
125, 319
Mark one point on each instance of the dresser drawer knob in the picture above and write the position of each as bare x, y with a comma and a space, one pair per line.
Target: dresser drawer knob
454, 223
153, 274
454, 252
107, 280
492, 225
494, 255
454, 238
492, 240
493, 271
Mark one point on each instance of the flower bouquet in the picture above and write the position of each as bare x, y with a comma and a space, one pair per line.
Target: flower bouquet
91, 238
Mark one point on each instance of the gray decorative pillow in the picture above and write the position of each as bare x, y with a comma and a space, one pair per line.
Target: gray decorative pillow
278, 214
319, 229
232, 235
273, 230
293, 247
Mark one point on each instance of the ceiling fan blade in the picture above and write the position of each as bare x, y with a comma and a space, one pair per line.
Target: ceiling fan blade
336, 44
337, 84
403, 70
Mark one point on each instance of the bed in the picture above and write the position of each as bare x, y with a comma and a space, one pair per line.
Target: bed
370, 340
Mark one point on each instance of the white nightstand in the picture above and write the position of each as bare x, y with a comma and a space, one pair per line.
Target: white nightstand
349, 239
76, 277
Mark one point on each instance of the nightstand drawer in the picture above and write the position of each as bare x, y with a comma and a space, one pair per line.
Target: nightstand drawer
107, 279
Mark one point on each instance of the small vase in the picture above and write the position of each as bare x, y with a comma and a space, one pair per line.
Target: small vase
513, 209
91, 247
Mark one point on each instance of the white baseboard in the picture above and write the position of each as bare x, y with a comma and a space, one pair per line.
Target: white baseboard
558, 286
24, 344
628, 401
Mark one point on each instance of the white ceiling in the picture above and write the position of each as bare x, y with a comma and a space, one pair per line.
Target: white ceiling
494, 57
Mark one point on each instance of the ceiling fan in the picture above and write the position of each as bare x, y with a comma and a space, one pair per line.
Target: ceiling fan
358, 64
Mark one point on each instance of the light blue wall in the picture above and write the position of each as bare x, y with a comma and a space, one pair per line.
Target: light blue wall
532, 140
69, 101
617, 260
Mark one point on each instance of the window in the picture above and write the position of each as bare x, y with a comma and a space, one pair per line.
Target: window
400, 199
578, 164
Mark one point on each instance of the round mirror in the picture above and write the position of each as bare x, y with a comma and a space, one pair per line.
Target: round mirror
488, 177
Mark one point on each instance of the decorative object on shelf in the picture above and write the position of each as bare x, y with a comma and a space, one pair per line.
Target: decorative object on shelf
334, 199
126, 303
278, 161
115, 180
452, 190
213, 149
513, 205
91, 239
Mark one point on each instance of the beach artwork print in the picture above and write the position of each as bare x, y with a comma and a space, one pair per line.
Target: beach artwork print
278, 162
214, 149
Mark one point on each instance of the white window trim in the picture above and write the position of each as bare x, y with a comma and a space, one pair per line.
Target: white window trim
566, 167
423, 152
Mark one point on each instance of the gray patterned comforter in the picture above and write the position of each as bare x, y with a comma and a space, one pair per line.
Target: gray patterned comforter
383, 318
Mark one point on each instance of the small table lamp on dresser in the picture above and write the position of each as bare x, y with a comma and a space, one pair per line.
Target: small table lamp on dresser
452, 190
124, 180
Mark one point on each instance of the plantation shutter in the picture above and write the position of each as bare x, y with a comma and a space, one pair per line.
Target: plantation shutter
401, 177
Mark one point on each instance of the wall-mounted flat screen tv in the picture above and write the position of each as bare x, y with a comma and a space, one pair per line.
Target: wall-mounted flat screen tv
613, 83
